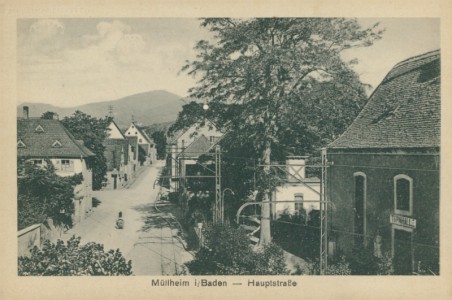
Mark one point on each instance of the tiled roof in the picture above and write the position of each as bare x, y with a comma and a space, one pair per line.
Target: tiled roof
39, 143
404, 110
199, 146
176, 135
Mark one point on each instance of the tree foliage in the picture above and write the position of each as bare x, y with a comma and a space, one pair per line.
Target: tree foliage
42, 194
49, 115
73, 259
294, 90
92, 131
159, 138
227, 251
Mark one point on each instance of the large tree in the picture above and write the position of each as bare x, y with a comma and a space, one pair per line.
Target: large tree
275, 69
159, 138
92, 131
42, 194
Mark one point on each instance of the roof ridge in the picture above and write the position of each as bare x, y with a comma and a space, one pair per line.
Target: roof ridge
417, 57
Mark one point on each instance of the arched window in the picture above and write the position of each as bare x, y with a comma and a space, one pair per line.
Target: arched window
360, 195
403, 195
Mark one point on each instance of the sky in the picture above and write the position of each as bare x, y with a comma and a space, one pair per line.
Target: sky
69, 62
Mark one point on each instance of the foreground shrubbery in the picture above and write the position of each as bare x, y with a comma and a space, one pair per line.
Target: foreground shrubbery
227, 251
73, 259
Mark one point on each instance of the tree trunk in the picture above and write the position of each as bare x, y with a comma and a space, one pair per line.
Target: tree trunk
265, 237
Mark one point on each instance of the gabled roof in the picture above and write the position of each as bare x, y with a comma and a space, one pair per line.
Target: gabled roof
142, 132
176, 135
404, 110
39, 143
198, 147
117, 127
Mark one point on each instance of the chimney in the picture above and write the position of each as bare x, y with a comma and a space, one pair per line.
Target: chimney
295, 165
25, 112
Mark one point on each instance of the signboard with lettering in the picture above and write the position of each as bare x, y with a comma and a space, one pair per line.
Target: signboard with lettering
402, 221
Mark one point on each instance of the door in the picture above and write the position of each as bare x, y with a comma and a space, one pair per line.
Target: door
115, 183
403, 256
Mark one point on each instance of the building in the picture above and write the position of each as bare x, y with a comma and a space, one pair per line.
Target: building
133, 155
119, 155
183, 139
145, 143
39, 140
305, 192
383, 174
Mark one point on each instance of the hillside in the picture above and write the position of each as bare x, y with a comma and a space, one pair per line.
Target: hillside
147, 108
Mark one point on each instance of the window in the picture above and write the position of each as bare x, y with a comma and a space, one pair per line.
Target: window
20, 144
403, 195
141, 140
213, 139
39, 129
360, 208
56, 144
37, 162
298, 201
66, 165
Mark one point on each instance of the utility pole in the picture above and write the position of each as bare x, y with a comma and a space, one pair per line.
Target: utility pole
217, 213
323, 217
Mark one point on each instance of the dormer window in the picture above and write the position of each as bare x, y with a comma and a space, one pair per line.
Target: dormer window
57, 144
20, 144
39, 129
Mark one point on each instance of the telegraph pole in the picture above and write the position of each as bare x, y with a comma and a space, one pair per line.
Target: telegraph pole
218, 210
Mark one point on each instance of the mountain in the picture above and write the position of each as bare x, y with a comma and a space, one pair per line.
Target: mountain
147, 108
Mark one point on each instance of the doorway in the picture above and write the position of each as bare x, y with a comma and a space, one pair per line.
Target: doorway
402, 248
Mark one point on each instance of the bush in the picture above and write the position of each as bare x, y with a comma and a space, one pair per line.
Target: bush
338, 267
227, 251
342, 267
73, 260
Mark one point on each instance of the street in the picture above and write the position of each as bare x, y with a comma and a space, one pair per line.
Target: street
150, 234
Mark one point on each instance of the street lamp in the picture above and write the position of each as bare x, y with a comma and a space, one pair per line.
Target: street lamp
222, 201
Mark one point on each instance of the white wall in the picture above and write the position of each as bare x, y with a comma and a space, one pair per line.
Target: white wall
288, 191
77, 165
133, 131
114, 132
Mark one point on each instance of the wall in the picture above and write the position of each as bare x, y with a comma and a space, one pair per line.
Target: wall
288, 191
114, 132
77, 166
35, 235
380, 169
